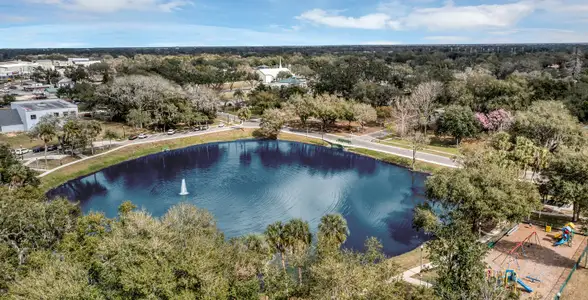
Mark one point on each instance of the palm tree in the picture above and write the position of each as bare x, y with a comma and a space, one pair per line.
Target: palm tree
299, 237
92, 129
46, 131
332, 231
275, 234
110, 135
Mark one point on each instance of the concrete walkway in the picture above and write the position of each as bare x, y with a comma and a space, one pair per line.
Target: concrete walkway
407, 275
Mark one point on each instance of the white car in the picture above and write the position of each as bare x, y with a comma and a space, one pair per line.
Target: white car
20, 151
171, 132
142, 136
221, 125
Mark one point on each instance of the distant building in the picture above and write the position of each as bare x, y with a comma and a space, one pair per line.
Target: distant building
292, 81
30, 112
268, 75
64, 83
17, 68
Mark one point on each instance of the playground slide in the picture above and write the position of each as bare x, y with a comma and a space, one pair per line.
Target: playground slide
526, 287
561, 241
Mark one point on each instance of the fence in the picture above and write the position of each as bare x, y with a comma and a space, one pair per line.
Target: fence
576, 265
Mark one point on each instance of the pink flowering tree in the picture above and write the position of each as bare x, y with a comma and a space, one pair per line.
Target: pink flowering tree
497, 120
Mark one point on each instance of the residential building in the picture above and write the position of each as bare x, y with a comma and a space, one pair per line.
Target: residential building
64, 83
30, 112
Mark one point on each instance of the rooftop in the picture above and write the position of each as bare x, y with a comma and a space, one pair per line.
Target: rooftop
44, 105
9, 117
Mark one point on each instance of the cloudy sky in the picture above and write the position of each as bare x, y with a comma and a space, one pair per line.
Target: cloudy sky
126, 23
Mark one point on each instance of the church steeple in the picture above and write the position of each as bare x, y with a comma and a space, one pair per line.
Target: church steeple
280, 62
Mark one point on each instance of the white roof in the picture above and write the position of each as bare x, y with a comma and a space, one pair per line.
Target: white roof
273, 72
16, 65
65, 80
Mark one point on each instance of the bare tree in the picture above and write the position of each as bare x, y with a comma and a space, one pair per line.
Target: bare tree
202, 98
404, 115
423, 99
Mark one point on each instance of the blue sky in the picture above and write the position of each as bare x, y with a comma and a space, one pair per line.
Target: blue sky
128, 23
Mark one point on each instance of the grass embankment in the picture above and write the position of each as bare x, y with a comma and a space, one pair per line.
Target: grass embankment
397, 160
437, 150
409, 260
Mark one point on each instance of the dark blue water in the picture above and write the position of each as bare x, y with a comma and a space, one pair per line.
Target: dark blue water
247, 185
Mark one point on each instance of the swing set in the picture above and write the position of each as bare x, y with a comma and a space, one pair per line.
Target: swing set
517, 252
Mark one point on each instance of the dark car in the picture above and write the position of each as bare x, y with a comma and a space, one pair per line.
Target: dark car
52, 147
38, 149
133, 137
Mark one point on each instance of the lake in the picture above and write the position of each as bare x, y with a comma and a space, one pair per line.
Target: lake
249, 184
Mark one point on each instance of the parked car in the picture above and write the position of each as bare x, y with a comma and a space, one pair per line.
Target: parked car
171, 132
52, 147
38, 149
142, 136
21, 151
221, 125
132, 137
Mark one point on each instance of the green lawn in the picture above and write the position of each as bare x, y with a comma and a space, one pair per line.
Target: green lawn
446, 151
16, 140
397, 160
409, 260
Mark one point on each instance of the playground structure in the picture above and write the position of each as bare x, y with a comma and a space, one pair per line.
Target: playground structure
529, 253
565, 236
509, 279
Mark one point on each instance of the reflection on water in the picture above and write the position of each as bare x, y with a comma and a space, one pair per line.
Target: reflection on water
250, 184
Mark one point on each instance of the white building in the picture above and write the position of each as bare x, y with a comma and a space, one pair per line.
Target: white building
24, 115
17, 68
268, 75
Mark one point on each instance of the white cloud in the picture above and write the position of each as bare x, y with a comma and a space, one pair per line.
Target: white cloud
371, 21
137, 34
109, 6
451, 17
447, 17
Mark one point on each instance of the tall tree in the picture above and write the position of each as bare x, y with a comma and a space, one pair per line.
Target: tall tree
110, 135
459, 122
364, 113
271, 123
567, 181
46, 130
404, 115
423, 100
548, 124
277, 238
299, 239
332, 233
92, 130
244, 114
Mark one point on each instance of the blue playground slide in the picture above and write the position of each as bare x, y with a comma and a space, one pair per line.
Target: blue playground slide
563, 240
526, 287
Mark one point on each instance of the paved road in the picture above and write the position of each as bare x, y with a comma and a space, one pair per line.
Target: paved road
366, 142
